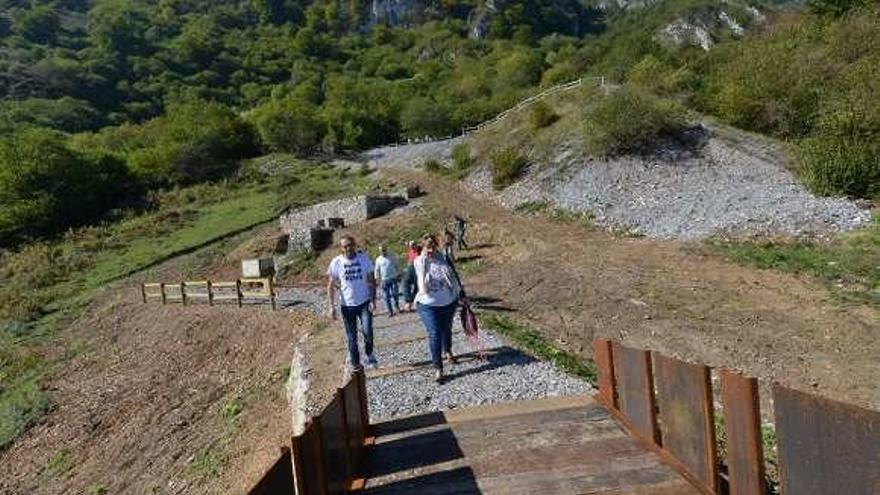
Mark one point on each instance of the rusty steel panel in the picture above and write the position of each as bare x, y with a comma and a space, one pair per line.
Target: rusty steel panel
687, 422
742, 425
355, 428
604, 359
635, 390
308, 465
826, 447
361, 379
336, 462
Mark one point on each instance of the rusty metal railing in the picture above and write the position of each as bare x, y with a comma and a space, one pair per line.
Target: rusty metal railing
327, 458
825, 447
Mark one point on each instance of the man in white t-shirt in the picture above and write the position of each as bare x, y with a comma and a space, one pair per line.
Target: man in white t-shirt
352, 272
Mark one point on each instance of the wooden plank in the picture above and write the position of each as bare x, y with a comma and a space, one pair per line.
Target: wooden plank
742, 425
635, 391
687, 418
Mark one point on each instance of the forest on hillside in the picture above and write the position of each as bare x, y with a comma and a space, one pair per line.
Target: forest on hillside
104, 101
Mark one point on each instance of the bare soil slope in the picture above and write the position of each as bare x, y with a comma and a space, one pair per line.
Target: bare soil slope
164, 400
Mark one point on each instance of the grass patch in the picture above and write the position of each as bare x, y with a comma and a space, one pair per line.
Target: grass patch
849, 264
60, 463
552, 212
532, 342
44, 286
461, 164
508, 164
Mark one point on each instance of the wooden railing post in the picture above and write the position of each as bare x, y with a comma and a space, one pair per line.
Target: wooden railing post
238, 292
164, 296
271, 292
210, 294
144, 292
183, 294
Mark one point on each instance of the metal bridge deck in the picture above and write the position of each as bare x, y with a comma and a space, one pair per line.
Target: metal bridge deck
568, 445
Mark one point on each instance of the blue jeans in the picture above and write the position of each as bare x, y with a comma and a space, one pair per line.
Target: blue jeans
389, 288
438, 324
350, 317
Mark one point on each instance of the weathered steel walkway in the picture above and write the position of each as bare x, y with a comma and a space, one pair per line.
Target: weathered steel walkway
567, 445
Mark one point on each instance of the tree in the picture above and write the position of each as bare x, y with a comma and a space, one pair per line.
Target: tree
835, 8
290, 125
45, 187
423, 117
194, 141
40, 24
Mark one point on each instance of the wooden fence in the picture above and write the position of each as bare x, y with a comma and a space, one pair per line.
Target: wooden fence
208, 292
824, 446
327, 457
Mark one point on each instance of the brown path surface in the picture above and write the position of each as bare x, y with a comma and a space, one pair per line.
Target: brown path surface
566, 445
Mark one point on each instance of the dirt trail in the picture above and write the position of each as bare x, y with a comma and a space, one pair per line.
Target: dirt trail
574, 284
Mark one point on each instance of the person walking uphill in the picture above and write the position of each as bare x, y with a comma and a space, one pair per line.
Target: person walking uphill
386, 276
352, 271
437, 298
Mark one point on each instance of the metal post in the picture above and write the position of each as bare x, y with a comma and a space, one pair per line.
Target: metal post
210, 294
164, 297
238, 292
183, 293
144, 292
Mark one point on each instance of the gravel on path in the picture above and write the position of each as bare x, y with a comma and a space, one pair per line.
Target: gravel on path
506, 375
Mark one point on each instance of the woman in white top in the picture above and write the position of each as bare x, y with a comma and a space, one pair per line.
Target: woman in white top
437, 299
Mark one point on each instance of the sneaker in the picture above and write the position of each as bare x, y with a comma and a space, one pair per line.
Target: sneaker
438, 376
372, 362
450, 358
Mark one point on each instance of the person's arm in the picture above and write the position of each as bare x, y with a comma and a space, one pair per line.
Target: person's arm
331, 296
371, 281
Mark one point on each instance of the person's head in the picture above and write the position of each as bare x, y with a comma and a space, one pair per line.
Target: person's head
429, 244
382, 250
348, 246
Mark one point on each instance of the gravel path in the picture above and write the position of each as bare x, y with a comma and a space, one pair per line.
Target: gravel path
411, 155
404, 384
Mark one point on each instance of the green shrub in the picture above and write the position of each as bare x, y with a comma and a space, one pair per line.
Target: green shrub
461, 157
541, 115
629, 119
193, 142
656, 76
290, 125
433, 166
833, 166
507, 165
